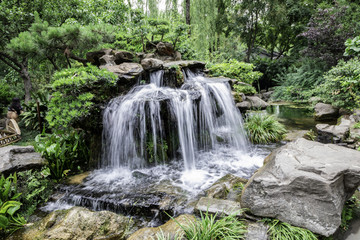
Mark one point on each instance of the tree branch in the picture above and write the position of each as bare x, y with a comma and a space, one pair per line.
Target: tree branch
10, 61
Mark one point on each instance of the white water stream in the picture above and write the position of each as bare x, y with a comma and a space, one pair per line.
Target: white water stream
192, 136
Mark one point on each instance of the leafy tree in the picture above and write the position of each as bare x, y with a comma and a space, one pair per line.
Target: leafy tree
352, 47
326, 35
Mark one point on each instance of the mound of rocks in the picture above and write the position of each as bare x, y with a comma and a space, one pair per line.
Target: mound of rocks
306, 184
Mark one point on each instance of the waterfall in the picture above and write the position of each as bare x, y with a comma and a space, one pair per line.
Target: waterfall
153, 123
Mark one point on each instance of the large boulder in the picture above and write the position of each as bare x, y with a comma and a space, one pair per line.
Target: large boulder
325, 112
78, 223
306, 184
165, 49
15, 158
170, 229
125, 70
94, 57
252, 102
123, 56
218, 206
226, 187
151, 63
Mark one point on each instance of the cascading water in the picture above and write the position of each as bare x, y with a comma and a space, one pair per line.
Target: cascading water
155, 136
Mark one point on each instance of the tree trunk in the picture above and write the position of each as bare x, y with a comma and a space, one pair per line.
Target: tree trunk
187, 14
27, 82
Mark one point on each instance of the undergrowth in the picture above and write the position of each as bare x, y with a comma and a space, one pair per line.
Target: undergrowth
264, 129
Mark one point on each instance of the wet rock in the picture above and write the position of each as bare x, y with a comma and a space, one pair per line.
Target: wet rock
151, 63
94, 57
123, 56
218, 206
185, 64
356, 115
170, 229
77, 179
334, 133
257, 231
78, 223
165, 49
252, 102
15, 158
306, 184
224, 186
266, 95
107, 60
125, 70
292, 135
325, 112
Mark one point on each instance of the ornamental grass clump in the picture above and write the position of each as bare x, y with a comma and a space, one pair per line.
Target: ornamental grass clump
208, 228
264, 129
284, 231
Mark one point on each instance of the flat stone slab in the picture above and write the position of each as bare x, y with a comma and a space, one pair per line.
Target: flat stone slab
15, 158
306, 184
218, 206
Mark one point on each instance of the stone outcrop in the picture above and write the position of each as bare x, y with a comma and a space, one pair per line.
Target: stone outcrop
14, 158
334, 133
170, 229
152, 64
251, 102
226, 187
257, 231
325, 112
218, 206
78, 223
125, 70
306, 184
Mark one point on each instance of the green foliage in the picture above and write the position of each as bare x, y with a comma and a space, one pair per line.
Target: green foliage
342, 85
264, 129
348, 212
30, 117
284, 231
64, 150
241, 71
9, 204
161, 150
246, 89
357, 125
76, 93
352, 47
208, 228
298, 83
36, 188
6, 94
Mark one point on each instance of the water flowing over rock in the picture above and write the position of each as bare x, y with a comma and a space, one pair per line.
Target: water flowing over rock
78, 223
306, 184
15, 158
325, 112
170, 229
152, 116
164, 146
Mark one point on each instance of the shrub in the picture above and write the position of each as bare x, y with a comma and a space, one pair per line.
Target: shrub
264, 129
298, 83
246, 89
342, 85
6, 94
36, 188
30, 117
241, 71
76, 91
284, 231
352, 47
207, 228
64, 150
9, 205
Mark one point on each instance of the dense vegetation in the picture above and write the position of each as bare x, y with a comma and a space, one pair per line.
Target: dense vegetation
303, 48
